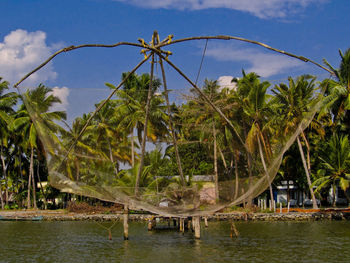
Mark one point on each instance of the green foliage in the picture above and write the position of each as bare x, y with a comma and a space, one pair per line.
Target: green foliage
258, 112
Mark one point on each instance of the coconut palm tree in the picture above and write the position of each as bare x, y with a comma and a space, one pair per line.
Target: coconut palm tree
130, 108
205, 120
338, 91
256, 110
35, 118
296, 101
335, 162
7, 102
110, 137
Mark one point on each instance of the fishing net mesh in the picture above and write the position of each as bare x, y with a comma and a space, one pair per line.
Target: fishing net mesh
86, 164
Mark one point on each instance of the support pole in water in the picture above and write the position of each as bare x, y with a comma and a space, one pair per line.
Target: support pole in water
182, 225
149, 225
206, 221
197, 227
189, 224
125, 222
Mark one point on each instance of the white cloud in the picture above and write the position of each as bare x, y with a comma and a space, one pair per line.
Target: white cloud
264, 64
225, 82
62, 94
21, 52
259, 8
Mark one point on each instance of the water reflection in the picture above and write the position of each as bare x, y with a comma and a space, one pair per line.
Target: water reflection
258, 242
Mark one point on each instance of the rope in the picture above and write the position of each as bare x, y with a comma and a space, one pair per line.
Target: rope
200, 66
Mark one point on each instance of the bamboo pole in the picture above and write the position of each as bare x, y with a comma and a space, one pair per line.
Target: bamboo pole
173, 135
143, 144
222, 37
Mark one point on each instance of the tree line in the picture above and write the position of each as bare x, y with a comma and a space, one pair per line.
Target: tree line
261, 113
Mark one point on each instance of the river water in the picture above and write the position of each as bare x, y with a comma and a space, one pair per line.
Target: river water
326, 241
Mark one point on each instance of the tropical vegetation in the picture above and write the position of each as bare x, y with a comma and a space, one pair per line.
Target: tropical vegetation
263, 118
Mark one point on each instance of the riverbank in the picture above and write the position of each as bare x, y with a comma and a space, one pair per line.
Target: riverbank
63, 215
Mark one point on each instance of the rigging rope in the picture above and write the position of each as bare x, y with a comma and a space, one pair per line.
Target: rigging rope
200, 66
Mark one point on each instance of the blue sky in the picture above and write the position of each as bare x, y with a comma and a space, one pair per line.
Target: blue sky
33, 29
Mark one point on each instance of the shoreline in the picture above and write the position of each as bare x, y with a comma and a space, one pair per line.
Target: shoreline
61, 215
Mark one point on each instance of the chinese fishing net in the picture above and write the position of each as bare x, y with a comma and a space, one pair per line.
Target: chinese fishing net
85, 159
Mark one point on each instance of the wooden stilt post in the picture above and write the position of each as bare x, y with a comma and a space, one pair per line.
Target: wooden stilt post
206, 221
197, 227
125, 222
182, 222
189, 224
149, 225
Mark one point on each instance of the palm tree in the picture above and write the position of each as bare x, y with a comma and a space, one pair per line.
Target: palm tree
257, 108
109, 135
7, 102
35, 119
131, 103
296, 101
335, 162
338, 91
206, 119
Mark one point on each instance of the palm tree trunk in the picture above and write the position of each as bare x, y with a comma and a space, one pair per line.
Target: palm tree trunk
173, 134
215, 165
77, 167
334, 194
250, 175
143, 146
5, 176
20, 168
29, 181
222, 157
41, 187
307, 151
235, 156
1, 199
314, 203
265, 168
111, 156
132, 148
33, 179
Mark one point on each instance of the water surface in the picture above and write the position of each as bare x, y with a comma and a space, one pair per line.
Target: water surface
258, 242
